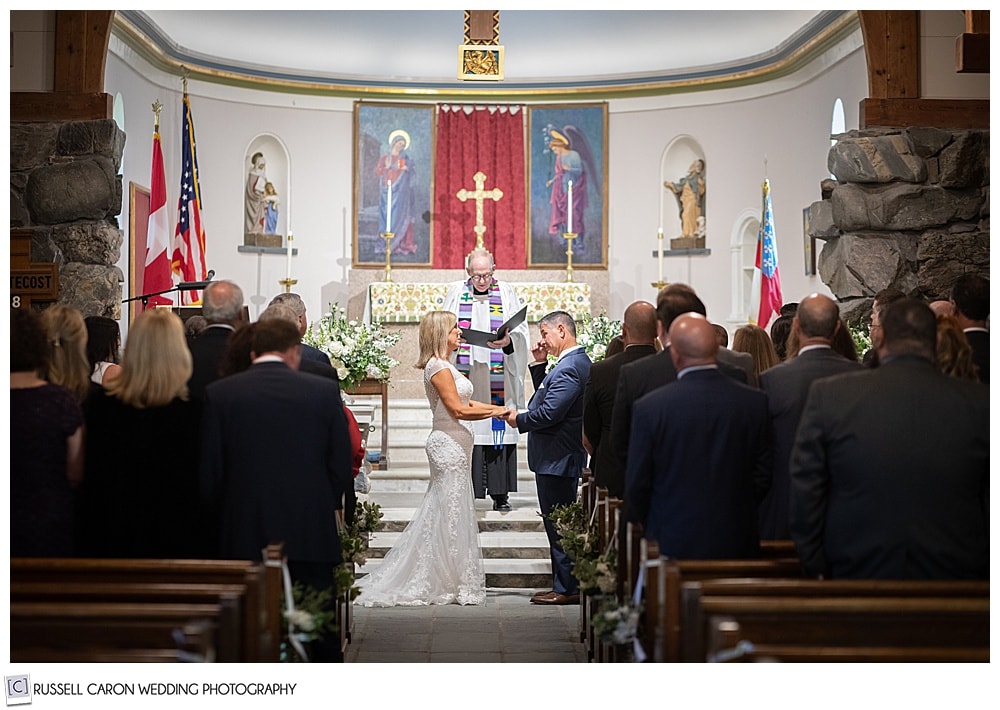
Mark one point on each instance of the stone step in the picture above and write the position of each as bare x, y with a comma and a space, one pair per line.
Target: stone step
496, 545
505, 573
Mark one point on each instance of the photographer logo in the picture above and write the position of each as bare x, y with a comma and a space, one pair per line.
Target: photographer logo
18, 689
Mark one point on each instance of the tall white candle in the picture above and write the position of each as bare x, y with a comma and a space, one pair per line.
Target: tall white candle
659, 255
388, 206
569, 209
288, 260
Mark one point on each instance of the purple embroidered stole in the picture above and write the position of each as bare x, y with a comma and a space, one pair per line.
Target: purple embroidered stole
463, 361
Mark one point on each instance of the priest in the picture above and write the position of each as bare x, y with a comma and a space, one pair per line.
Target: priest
496, 371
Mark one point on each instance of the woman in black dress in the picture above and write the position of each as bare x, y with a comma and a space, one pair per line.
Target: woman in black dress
46, 447
140, 496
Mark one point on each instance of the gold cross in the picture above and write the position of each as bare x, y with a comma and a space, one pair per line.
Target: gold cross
479, 194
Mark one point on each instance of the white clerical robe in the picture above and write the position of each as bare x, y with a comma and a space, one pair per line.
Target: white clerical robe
515, 364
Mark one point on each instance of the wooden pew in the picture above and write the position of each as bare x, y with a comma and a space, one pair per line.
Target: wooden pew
83, 629
777, 548
598, 512
251, 591
608, 522
846, 620
664, 576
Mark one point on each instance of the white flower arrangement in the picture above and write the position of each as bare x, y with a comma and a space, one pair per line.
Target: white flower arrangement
616, 624
595, 332
358, 351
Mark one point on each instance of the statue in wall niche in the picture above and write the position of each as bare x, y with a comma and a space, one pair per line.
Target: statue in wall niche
255, 206
690, 194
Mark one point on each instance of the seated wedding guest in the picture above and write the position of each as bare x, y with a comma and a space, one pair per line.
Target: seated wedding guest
814, 327
882, 299
646, 374
970, 297
615, 346
140, 495
843, 343
68, 366
237, 358
315, 366
755, 340
46, 447
721, 335
298, 306
890, 467
699, 456
282, 311
781, 328
275, 461
222, 307
104, 339
954, 354
194, 326
942, 308
639, 332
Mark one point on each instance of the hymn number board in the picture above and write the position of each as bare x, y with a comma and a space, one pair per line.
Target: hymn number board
29, 282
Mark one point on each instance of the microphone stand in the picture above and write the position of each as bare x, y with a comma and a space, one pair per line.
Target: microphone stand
185, 286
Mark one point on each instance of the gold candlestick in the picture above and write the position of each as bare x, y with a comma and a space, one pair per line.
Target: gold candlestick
387, 236
288, 283
569, 237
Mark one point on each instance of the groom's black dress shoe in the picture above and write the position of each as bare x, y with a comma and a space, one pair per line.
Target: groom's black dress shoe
555, 598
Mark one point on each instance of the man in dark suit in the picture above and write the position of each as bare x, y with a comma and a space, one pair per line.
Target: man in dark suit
295, 302
553, 422
815, 323
276, 461
639, 333
222, 307
890, 467
971, 298
699, 454
638, 378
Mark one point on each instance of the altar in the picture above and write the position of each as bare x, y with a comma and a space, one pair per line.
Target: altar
391, 302
401, 303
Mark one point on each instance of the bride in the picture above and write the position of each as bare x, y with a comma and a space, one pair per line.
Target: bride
437, 559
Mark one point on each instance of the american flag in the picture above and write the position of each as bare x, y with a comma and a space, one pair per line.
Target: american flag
189, 237
766, 280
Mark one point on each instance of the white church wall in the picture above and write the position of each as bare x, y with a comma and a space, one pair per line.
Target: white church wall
787, 122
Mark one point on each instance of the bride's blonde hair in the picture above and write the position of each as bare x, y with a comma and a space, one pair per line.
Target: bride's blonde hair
434, 330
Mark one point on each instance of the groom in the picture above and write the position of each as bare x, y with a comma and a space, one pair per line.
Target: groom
554, 422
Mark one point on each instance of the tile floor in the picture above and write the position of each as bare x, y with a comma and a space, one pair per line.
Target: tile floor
507, 628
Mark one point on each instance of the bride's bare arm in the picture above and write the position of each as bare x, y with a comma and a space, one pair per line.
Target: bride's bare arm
444, 383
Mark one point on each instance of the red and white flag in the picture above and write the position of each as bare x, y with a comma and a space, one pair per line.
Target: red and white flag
156, 267
766, 280
189, 237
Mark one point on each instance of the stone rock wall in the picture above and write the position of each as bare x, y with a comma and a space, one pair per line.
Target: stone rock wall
66, 188
909, 209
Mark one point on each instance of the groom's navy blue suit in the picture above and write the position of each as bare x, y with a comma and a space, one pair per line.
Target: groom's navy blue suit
554, 422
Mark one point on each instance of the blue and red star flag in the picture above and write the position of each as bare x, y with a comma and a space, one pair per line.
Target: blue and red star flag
766, 281
156, 266
189, 237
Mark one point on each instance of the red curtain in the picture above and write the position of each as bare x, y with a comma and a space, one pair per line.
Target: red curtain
491, 141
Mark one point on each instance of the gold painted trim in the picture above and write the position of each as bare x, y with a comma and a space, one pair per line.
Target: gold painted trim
835, 33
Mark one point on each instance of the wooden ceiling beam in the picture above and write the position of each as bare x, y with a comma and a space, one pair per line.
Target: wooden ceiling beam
972, 49
81, 50
892, 51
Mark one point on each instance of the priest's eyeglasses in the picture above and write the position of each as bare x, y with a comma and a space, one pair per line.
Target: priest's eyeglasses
482, 277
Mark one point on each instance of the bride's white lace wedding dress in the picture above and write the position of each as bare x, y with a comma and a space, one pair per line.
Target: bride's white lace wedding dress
437, 559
